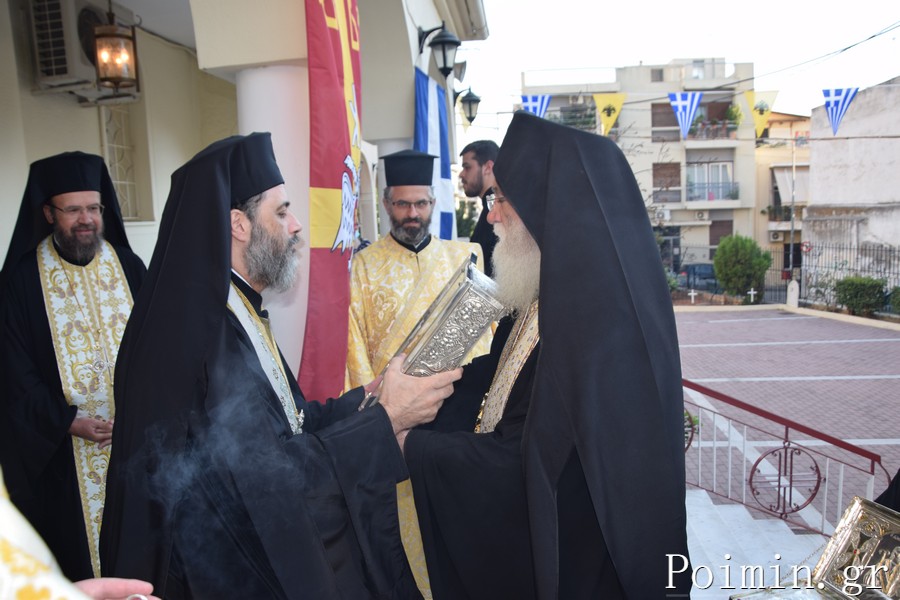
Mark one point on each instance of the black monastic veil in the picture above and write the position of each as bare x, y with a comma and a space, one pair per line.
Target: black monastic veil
35, 444
210, 494
592, 433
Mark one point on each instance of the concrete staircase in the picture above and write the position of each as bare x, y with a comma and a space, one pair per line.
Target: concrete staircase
717, 528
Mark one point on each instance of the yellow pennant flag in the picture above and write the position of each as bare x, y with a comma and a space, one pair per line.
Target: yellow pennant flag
760, 104
608, 108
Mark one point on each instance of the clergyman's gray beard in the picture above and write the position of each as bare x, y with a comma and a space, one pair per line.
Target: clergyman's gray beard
271, 263
413, 235
517, 266
75, 251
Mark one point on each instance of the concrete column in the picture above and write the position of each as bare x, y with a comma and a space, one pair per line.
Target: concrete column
276, 99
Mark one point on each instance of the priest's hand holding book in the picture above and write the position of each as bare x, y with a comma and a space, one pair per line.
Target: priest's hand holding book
410, 400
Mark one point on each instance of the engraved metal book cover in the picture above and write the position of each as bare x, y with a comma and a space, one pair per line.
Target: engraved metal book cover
861, 560
452, 324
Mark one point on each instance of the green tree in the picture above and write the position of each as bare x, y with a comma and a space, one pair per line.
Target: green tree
740, 265
465, 218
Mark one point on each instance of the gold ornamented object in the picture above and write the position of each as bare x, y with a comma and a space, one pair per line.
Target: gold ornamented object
863, 555
861, 560
451, 326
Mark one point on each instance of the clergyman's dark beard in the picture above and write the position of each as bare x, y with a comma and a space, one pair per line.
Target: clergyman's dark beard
473, 189
270, 262
410, 235
75, 251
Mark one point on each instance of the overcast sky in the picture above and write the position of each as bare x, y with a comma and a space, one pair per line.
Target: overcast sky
794, 45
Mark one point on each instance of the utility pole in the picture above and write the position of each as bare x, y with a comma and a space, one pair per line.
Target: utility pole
793, 196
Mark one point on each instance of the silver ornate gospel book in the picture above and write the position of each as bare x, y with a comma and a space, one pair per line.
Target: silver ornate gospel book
861, 560
451, 325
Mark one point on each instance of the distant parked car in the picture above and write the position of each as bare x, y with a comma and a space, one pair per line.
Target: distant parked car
699, 276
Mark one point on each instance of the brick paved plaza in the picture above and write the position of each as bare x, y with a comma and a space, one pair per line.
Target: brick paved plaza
839, 375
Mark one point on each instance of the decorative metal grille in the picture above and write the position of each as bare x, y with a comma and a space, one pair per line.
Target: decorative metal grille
118, 151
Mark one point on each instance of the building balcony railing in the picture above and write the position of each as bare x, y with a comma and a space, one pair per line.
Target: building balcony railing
708, 130
701, 130
579, 116
781, 214
712, 191
669, 195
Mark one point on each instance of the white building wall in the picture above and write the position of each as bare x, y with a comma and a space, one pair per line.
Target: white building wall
861, 163
855, 174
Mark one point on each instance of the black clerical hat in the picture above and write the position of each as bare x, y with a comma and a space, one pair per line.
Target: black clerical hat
249, 161
61, 174
409, 167
68, 172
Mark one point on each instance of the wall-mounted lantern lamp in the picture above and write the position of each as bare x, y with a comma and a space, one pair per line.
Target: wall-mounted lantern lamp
443, 46
116, 55
469, 103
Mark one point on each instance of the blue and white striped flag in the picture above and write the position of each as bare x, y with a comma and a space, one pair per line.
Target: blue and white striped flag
685, 106
837, 101
431, 136
536, 105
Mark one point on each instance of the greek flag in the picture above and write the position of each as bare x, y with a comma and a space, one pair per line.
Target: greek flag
837, 101
431, 136
685, 106
536, 105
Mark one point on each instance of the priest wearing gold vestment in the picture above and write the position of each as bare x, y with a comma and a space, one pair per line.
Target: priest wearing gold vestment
394, 280
392, 283
68, 284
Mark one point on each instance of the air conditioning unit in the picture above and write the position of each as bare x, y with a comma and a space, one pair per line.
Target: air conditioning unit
663, 214
776, 236
62, 34
702, 215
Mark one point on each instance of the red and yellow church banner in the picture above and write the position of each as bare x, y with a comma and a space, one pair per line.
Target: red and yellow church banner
332, 32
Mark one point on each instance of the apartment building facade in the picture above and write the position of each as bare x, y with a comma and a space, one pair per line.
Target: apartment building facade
698, 187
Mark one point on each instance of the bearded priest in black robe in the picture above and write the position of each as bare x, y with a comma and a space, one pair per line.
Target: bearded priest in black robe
66, 291
573, 486
226, 482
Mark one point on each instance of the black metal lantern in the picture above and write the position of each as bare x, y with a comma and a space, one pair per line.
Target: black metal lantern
116, 55
470, 104
443, 46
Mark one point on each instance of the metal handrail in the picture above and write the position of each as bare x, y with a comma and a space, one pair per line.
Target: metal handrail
788, 424
792, 481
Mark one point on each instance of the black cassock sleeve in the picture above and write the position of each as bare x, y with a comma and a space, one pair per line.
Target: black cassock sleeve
470, 497
312, 515
34, 400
